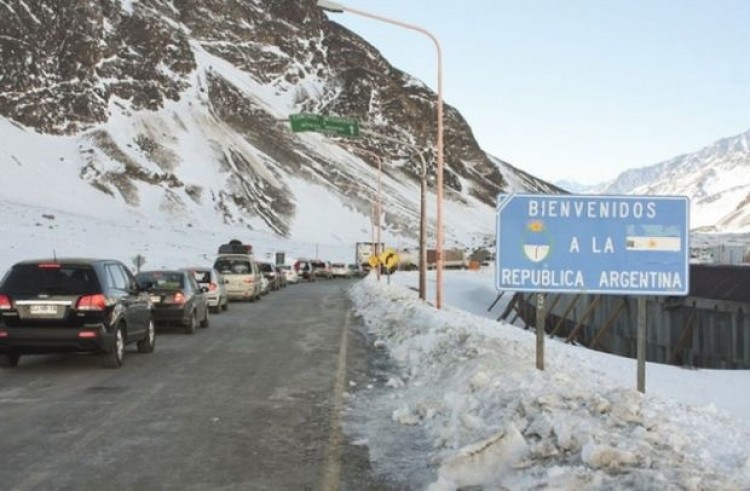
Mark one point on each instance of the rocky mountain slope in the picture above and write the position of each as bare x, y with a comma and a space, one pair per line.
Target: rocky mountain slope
715, 178
142, 99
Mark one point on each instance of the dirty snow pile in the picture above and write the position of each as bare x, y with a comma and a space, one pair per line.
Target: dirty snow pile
469, 403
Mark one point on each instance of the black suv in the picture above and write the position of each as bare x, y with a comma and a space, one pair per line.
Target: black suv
78, 305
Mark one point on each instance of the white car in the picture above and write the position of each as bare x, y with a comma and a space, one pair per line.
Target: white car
290, 273
340, 270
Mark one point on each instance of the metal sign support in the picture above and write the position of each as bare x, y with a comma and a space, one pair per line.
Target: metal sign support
641, 342
540, 321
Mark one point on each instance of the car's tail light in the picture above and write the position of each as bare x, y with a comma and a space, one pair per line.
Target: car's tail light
87, 334
212, 287
49, 265
5, 302
96, 302
179, 298
3, 333
249, 280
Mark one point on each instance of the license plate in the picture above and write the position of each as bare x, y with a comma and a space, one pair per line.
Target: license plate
43, 309
155, 299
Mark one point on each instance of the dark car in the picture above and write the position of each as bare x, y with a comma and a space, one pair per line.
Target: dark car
73, 305
269, 271
176, 298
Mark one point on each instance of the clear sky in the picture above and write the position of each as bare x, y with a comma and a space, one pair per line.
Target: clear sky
578, 89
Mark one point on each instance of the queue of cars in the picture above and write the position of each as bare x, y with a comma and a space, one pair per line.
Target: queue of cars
313, 269
99, 306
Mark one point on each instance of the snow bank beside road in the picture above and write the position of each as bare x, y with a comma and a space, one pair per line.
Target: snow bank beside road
470, 386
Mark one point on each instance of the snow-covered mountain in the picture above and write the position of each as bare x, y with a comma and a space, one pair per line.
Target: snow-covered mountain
715, 178
178, 108
576, 187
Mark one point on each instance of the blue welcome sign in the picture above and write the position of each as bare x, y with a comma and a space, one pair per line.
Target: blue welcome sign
593, 244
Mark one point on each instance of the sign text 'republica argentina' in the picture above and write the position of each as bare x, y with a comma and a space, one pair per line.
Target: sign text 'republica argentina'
593, 244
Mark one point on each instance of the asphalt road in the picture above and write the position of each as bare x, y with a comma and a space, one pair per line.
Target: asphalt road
253, 402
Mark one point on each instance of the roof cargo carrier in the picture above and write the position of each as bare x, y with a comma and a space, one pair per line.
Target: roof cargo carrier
235, 247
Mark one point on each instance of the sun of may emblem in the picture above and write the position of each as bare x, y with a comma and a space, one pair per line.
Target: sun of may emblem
536, 241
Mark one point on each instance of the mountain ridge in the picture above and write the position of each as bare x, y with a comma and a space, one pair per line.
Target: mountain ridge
150, 89
716, 178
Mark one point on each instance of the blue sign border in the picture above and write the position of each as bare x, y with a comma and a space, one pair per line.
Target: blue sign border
641, 243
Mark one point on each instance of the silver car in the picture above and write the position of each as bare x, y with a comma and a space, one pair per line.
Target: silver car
217, 291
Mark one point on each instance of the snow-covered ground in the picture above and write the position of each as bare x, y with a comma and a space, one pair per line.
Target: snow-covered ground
462, 404
455, 399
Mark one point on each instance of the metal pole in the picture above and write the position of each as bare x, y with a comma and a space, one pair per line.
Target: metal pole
376, 222
641, 344
372, 226
540, 321
380, 209
423, 231
422, 209
439, 235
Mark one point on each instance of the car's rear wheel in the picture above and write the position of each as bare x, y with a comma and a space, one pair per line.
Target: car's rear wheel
225, 305
192, 324
113, 357
147, 344
204, 322
9, 360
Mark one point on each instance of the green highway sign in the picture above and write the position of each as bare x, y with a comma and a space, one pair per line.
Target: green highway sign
324, 124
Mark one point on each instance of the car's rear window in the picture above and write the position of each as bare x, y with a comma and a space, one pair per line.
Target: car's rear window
51, 278
265, 267
164, 280
202, 276
233, 266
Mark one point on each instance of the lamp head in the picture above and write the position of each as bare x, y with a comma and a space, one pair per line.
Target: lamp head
331, 6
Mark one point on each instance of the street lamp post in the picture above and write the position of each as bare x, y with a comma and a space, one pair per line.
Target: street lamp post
372, 222
379, 206
336, 7
422, 208
422, 229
